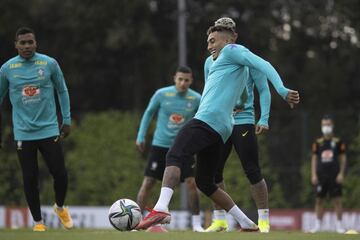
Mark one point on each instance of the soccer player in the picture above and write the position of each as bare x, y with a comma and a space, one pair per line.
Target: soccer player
212, 125
175, 105
328, 163
31, 78
243, 138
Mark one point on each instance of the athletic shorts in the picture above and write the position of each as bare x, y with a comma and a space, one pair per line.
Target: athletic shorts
328, 186
244, 140
197, 137
156, 164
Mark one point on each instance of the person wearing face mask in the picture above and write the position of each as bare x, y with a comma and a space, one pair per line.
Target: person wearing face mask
327, 172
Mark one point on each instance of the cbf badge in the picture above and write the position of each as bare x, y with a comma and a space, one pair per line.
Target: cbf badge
41, 73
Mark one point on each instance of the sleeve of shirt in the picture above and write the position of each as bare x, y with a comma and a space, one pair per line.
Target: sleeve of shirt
58, 80
152, 107
4, 84
262, 86
245, 57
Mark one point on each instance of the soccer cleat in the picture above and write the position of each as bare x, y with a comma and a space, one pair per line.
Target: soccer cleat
264, 226
253, 228
64, 217
217, 226
39, 227
153, 218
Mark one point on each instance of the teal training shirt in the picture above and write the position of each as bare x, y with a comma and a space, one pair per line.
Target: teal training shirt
173, 109
247, 116
225, 80
31, 84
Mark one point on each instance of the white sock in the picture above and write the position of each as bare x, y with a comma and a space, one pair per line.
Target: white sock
338, 224
60, 208
162, 204
241, 218
263, 214
38, 222
219, 215
196, 221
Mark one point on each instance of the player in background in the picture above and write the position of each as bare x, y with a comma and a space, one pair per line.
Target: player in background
175, 105
31, 78
212, 125
328, 163
243, 138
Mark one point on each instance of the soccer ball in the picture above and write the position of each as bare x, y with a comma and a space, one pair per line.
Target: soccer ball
124, 214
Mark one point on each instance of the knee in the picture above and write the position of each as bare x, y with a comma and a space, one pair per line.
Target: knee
61, 176
30, 179
254, 176
148, 184
205, 185
190, 183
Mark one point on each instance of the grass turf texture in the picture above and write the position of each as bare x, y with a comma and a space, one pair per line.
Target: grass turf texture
86, 234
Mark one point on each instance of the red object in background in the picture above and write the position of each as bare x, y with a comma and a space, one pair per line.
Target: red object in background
285, 219
16, 217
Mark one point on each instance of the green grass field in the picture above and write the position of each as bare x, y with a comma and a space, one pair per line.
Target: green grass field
82, 234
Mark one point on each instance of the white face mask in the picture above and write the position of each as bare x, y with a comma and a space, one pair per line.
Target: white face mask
326, 130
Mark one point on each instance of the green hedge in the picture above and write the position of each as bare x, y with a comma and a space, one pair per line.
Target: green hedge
104, 165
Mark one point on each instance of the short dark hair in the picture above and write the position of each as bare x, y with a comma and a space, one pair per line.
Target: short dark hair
184, 69
23, 30
328, 117
220, 29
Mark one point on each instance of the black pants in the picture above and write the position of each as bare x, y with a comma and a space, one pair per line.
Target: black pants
196, 137
51, 150
244, 140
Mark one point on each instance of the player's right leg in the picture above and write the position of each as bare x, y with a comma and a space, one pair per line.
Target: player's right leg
192, 137
219, 222
335, 193
319, 203
321, 191
27, 154
52, 152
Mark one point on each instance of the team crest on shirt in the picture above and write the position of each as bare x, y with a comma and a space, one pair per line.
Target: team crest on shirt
333, 144
154, 166
41, 74
189, 105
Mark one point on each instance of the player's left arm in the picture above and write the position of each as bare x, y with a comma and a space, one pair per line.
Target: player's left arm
262, 87
244, 56
342, 163
58, 80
